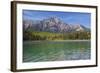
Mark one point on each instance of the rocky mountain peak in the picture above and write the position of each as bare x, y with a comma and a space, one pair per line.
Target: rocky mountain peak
53, 24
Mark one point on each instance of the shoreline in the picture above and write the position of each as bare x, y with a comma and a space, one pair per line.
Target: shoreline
57, 40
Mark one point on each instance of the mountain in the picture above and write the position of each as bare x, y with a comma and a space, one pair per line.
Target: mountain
52, 24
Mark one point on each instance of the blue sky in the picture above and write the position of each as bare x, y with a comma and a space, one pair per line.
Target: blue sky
67, 17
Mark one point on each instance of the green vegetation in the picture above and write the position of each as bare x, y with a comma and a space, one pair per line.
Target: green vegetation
36, 35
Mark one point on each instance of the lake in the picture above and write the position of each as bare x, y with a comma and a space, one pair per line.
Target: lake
41, 51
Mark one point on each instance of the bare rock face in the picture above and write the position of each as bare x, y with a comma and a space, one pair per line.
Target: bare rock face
52, 24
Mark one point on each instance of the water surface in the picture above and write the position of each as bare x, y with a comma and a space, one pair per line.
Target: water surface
41, 51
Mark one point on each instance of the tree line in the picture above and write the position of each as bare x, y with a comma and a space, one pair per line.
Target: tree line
33, 35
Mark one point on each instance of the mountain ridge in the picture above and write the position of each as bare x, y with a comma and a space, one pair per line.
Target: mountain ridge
52, 24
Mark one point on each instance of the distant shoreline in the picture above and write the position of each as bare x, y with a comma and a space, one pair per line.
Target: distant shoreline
57, 40
71, 40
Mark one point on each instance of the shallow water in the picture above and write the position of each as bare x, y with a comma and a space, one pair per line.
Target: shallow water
40, 51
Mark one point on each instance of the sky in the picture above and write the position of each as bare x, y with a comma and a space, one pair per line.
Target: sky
67, 17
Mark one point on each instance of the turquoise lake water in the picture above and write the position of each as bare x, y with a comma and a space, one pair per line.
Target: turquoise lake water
41, 51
